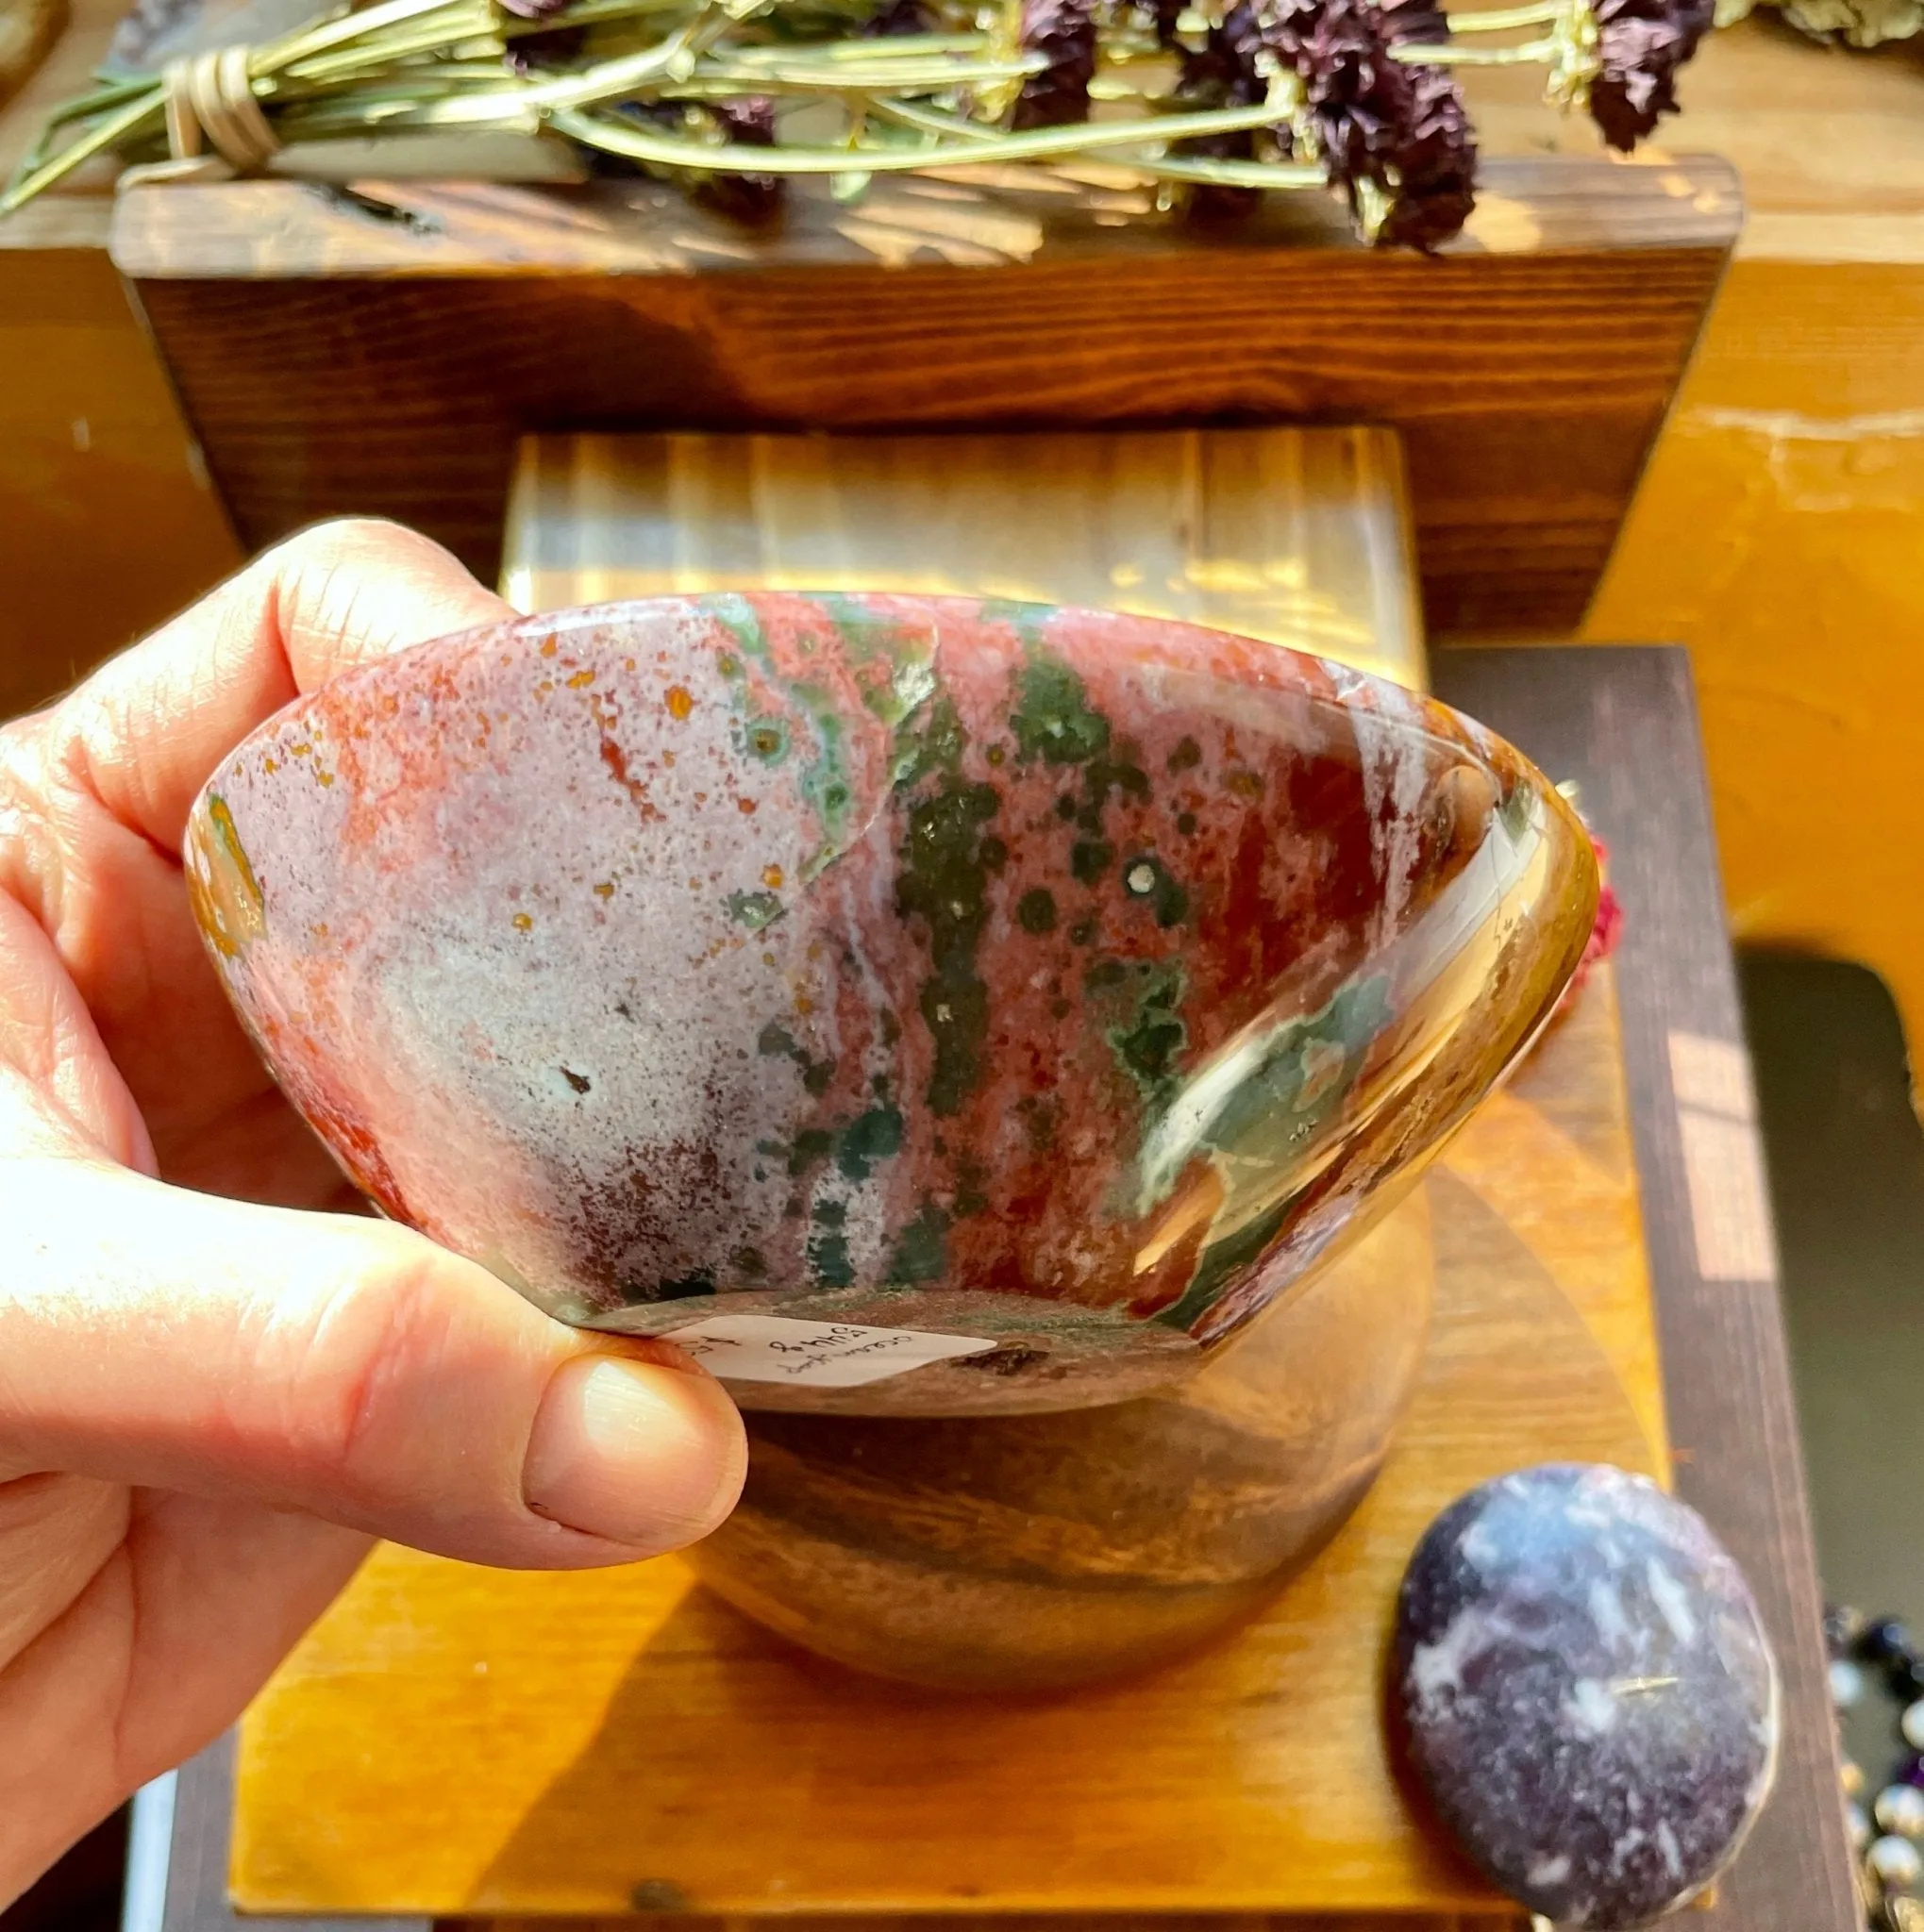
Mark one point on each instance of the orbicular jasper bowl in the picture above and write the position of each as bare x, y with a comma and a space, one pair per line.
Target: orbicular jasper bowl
1066, 982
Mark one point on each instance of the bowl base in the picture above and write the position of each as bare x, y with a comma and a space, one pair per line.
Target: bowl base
1041, 1551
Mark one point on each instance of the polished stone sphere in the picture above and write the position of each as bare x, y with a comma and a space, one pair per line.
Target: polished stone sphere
1587, 1692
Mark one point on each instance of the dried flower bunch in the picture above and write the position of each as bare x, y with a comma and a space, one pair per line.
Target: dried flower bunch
1220, 100
1855, 23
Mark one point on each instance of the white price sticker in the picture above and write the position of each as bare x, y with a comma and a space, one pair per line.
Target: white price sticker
816, 1355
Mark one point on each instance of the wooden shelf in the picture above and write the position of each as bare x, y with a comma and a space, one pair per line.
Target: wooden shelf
1827, 141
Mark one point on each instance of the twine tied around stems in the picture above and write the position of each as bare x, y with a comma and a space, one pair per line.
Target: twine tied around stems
215, 127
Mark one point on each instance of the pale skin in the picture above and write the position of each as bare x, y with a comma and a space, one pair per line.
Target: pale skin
219, 1378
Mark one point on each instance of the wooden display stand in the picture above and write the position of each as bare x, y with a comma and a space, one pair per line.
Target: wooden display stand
385, 353
450, 1740
669, 1752
1619, 722
451, 1743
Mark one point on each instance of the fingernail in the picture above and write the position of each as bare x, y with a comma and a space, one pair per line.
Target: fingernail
639, 1454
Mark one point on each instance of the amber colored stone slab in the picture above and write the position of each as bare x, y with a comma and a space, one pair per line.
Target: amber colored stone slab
450, 1740
1294, 534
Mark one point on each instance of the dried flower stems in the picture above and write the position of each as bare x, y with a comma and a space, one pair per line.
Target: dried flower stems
1226, 96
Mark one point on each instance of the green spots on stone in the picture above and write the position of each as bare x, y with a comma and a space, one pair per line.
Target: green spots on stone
825, 783
1101, 776
829, 1245
956, 1014
1082, 933
1139, 1004
909, 656
1035, 911
1150, 1048
1089, 858
776, 1041
1147, 877
1304, 1076
1291, 1094
876, 1135
937, 746
1053, 719
1185, 824
1223, 1263
870, 633
769, 740
734, 611
921, 1251
754, 909
1186, 756
813, 1145
752, 1264
943, 880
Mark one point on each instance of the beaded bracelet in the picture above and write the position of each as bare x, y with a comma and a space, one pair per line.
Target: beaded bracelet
1885, 1838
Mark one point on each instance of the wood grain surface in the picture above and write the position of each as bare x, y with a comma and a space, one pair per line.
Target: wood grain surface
338, 356
450, 1740
1300, 537
108, 524
1037, 1552
1622, 723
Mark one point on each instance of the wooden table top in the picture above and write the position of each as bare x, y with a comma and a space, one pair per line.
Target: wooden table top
1621, 722
454, 1739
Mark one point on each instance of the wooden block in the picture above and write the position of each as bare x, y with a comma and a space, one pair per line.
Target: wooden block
107, 522
454, 1741
384, 354
1054, 1921
1296, 535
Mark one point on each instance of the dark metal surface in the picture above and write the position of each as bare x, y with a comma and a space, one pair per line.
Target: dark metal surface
195, 1884
1622, 723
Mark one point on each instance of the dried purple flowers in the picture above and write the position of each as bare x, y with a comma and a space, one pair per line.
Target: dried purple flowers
1220, 101
1436, 166
1394, 137
1640, 45
1064, 31
1358, 96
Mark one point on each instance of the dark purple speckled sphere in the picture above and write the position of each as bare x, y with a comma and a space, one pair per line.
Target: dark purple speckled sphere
1588, 1692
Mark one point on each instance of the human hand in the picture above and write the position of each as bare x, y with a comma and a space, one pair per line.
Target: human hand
218, 1381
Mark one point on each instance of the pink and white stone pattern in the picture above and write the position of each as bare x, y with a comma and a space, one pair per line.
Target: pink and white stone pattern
1067, 980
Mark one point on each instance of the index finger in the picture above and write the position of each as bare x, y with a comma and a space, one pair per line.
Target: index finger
148, 726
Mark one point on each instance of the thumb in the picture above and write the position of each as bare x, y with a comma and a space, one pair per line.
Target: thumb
342, 1367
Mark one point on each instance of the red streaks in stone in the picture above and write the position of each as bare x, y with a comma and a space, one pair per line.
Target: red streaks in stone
765, 1072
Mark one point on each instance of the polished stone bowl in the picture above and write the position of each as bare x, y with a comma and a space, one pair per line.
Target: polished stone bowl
1068, 983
